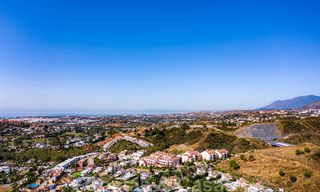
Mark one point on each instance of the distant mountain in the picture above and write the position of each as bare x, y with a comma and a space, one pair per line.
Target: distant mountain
315, 105
294, 103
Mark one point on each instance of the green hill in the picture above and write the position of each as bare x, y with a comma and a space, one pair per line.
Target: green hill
300, 130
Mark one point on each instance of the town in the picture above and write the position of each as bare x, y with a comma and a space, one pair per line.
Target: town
126, 152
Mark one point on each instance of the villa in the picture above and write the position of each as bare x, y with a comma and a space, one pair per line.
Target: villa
190, 156
211, 154
160, 159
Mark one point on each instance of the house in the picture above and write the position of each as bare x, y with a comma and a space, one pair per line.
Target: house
81, 164
144, 175
113, 168
5, 169
112, 157
81, 181
190, 156
209, 155
172, 181
137, 154
42, 145
160, 159
63, 165
222, 153
201, 170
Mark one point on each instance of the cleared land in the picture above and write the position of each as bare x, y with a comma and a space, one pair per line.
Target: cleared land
269, 130
268, 162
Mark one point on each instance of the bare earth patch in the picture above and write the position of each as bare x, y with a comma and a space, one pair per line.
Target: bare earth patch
259, 131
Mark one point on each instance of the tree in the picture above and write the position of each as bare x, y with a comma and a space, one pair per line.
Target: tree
31, 177
3, 178
307, 174
14, 186
293, 178
151, 169
185, 126
168, 173
251, 158
281, 173
307, 150
139, 180
243, 158
234, 165
299, 152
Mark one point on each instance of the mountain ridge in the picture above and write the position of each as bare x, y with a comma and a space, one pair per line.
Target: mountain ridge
315, 105
293, 103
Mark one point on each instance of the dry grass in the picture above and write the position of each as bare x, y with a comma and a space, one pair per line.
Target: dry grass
268, 162
5, 188
181, 147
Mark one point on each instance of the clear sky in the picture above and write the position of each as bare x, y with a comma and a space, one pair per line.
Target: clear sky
115, 56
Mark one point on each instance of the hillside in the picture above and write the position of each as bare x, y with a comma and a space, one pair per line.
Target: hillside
315, 105
300, 130
294, 103
261, 130
199, 139
268, 162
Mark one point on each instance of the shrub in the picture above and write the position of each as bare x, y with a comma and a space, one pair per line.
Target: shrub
316, 156
234, 165
243, 158
307, 150
299, 152
76, 174
281, 173
293, 178
251, 158
307, 174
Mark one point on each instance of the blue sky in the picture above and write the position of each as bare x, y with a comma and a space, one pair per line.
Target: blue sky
116, 56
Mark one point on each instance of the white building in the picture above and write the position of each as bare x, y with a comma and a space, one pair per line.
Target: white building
190, 156
211, 154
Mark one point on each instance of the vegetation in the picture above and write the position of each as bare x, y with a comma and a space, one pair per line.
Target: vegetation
76, 174
164, 138
282, 173
219, 140
243, 158
299, 152
199, 183
303, 137
274, 166
293, 178
251, 158
301, 130
316, 156
307, 174
124, 145
44, 155
3, 178
307, 150
234, 165
291, 125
